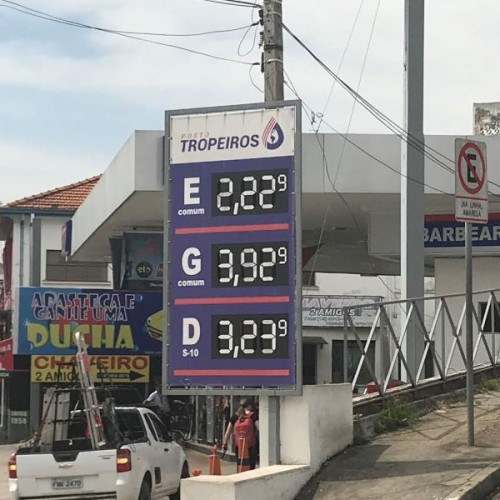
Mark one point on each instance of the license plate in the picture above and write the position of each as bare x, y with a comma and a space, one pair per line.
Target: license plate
68, 483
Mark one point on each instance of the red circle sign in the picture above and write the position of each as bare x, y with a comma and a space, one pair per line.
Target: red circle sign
479, 179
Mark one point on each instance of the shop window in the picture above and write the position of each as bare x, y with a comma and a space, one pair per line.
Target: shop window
489, 325
58, 269
353, 357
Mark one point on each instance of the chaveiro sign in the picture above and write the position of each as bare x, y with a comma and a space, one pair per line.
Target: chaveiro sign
232, 289
471, 184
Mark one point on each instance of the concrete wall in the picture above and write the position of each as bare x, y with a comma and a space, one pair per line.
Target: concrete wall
317, 425
313, 427
450, 278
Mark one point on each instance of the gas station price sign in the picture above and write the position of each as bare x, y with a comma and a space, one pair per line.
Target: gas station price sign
232, 286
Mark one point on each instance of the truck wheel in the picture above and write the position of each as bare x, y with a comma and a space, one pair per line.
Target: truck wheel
184, 474
145, 491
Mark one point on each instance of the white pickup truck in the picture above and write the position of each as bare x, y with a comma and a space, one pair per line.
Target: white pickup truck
139, 462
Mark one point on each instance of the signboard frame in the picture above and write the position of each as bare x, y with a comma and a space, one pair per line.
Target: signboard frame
295, 231
471, 198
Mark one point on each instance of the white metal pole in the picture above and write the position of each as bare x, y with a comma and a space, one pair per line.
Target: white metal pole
468, 334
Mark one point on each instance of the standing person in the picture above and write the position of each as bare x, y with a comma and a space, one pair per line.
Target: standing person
159, 404
245, 423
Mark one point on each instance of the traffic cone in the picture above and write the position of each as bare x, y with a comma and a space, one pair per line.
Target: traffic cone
214, 462
243, 463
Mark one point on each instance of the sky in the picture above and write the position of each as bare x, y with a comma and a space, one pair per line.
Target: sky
70, 97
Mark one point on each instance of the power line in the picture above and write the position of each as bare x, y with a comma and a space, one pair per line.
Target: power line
396, 129
386, 121
342, 59
342, 198
365, 59
254, 23
48, 17
234, 3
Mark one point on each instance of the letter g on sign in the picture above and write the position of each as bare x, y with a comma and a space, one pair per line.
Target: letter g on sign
191, 261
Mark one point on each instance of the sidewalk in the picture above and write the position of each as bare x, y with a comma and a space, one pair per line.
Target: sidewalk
429, 461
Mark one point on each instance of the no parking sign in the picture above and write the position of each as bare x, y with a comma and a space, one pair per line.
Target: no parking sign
471, 182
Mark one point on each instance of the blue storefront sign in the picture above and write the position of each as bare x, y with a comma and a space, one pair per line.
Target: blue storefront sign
442, 231
113, 321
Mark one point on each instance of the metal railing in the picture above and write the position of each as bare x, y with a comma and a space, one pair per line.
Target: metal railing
415, 348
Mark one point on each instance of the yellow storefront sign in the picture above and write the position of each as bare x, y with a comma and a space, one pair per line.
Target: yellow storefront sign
118, 369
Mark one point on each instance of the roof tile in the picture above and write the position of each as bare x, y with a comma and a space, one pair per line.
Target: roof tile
68, 197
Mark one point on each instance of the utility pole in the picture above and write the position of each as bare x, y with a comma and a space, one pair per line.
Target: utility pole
273, 51
272, 64
412, 183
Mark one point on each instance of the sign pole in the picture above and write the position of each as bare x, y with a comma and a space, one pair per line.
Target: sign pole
468, 334
471, 206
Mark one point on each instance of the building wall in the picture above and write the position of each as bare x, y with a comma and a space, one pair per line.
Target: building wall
450, 279
21, 259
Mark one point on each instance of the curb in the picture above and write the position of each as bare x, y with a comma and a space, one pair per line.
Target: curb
479, 485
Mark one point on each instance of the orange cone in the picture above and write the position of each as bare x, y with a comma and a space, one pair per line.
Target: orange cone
214, 462
243, 463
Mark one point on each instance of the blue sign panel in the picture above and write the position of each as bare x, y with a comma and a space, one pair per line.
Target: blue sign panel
443, 231
233, 237
114, 322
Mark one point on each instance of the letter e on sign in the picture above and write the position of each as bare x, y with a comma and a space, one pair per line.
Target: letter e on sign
191, 189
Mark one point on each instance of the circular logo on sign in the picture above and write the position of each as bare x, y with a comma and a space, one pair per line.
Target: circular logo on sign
471, 168
144, 269
273, 136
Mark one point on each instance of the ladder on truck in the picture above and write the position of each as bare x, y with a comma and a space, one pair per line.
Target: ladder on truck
54, 425
91, 405
56, 405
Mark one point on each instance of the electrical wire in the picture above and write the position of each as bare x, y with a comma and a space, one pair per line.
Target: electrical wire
48, 17
341, 60
252, 80
342, 198
386, 121
253, 23
396, 129
339, 163
316, 130
234, 3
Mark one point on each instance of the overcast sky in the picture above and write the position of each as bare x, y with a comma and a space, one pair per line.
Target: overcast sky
70, 97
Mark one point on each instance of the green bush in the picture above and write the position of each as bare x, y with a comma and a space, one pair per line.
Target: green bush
490, 384
397, 413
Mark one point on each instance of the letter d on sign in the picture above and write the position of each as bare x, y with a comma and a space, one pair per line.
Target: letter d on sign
190, 331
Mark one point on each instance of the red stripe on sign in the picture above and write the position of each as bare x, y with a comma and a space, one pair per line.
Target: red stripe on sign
227, 373
267, 131
229, 229
231, 300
